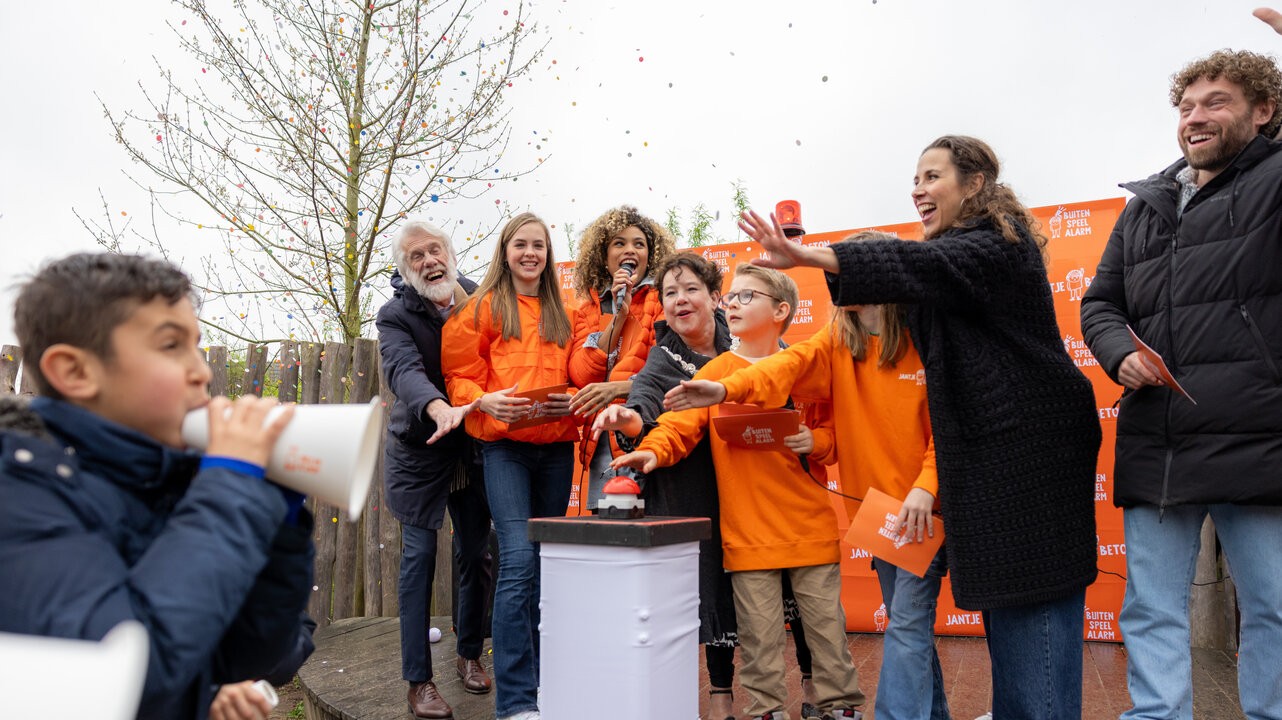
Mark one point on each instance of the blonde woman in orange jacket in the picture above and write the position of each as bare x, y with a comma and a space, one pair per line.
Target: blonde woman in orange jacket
865, 365
511, 336
614, 321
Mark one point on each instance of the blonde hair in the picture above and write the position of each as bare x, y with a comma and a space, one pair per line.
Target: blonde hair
554, 324
778, 284
848, 330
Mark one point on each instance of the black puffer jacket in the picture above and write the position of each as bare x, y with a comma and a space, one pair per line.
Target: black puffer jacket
1204, 289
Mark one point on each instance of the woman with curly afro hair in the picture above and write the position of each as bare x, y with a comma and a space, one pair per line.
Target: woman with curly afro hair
614, 324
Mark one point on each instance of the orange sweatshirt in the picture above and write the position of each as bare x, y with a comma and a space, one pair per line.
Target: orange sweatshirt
476, 360
881, 423
773, 514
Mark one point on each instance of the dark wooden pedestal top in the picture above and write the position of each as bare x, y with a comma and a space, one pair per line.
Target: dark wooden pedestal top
636, 532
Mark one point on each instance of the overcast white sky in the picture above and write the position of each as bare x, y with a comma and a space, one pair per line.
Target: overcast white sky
665, 103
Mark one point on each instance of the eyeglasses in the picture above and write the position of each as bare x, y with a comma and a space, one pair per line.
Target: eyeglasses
743, 297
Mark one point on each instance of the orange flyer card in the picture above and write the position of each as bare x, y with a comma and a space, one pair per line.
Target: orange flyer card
748, 426
871, 530
1156, 362
536, 414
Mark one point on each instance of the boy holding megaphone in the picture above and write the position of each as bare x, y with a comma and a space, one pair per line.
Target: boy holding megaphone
107, 517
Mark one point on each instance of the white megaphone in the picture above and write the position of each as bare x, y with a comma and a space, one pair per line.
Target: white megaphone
326, 451
36, 669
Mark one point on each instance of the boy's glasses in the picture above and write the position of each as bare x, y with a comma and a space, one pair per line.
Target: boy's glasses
743, 297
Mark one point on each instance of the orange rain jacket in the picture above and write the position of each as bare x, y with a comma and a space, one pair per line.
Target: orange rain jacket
477, 360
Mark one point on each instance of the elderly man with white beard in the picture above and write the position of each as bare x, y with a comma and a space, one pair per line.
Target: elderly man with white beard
429, 465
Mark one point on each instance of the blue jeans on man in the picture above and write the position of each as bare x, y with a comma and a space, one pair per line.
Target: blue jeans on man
1161, 553
911, 683
522, 481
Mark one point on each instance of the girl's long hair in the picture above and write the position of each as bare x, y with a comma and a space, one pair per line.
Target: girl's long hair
995, 201
554, 324
851, 332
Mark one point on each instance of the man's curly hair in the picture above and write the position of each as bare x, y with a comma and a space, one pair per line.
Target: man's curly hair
590, 272
1256, 74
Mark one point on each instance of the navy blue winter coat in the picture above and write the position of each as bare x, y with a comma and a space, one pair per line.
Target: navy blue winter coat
101, 524
417, 476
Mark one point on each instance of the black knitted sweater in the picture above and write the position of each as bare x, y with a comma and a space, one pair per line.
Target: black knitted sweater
1016, 428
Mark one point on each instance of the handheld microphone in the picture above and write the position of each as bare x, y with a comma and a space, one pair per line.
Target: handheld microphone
631, 267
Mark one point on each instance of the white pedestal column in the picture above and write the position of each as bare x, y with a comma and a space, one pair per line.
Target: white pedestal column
619, 630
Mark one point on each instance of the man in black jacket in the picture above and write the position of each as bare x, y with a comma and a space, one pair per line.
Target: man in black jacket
428, 463
1194, 267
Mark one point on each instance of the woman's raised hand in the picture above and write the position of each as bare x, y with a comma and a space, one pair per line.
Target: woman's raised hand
1271, 17
781, 253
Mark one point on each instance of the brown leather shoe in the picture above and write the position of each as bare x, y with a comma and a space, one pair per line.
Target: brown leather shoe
472, 673
426, 702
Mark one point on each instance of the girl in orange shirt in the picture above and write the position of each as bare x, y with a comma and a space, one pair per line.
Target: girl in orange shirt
865, 364
513, 335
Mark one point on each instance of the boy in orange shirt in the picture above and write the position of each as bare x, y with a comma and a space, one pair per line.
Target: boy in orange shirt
775, 517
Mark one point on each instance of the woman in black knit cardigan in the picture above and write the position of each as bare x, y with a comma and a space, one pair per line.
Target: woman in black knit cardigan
1015, 423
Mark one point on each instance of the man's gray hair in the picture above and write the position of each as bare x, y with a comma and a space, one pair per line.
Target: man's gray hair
414, 228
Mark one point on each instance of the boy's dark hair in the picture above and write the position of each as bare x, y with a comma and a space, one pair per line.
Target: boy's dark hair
80, 299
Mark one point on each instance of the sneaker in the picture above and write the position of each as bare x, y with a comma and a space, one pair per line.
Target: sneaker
810, 711
523, 715
846, 714
986, 716
772, 715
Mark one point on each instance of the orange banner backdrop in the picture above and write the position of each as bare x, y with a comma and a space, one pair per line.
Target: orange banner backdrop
1078, 233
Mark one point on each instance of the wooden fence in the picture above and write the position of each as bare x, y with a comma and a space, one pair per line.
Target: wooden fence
357, 564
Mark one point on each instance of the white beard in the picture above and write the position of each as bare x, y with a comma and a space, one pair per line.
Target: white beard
438, 292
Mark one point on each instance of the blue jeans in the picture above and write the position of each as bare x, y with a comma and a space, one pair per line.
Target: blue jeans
1036, 654
1160, 558
911, 683
522, 481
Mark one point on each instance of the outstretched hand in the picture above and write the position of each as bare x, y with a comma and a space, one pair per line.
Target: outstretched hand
694, 394
617, 417
1271, 17
642, 460
595, 397
447, 417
